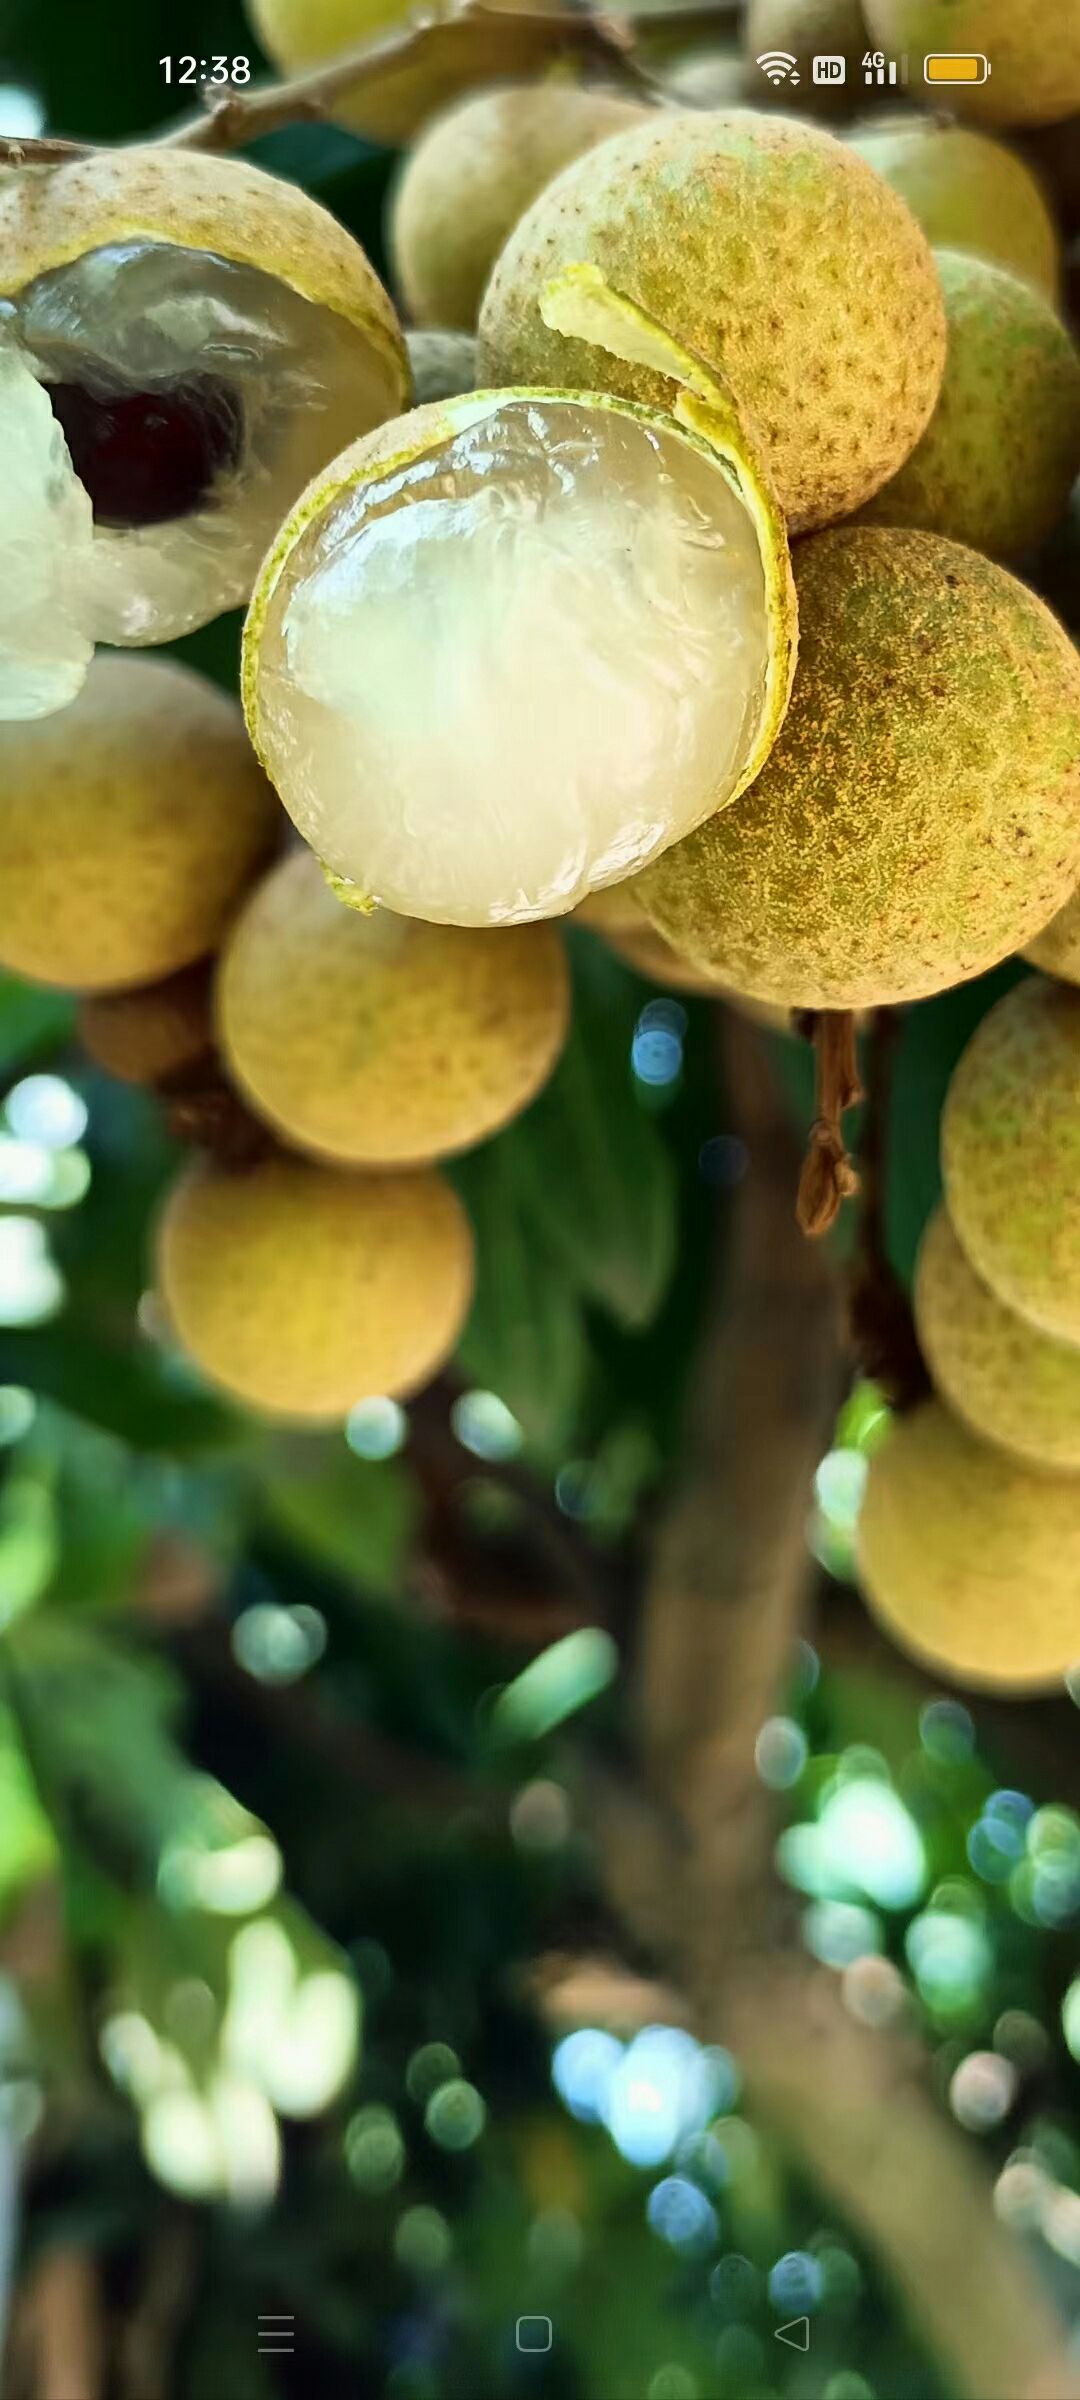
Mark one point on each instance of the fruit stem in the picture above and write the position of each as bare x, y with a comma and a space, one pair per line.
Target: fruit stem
828, 1176
880, 1320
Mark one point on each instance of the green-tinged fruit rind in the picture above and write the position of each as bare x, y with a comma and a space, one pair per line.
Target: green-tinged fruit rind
1010, 1384
969, 1560
1010, 1147
920, 813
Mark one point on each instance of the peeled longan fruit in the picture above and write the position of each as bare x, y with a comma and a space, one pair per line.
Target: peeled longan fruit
186, 340
969, 192
1057, 948
473, 173
380, 1040
1010, 1149
708, 75
507, 648
153, 1034
129, 827
300, 1289
970, 1560
443, 363
776, 254
997, 462
1010, 1384
918, 816
1034, 53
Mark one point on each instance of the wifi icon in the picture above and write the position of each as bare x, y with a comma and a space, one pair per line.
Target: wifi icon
779, 65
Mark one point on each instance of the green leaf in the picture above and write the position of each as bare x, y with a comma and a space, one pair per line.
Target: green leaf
31, 1022
356, 1516
595, 1171
526, 1337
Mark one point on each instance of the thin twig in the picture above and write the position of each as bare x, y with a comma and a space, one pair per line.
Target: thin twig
478, 42
828, 1176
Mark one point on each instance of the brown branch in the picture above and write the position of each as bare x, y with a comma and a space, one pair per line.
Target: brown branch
58, 2348
731, 1567
689, 1867
828, 1176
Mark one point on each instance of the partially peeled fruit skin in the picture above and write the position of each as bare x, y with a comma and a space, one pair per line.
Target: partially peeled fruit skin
378, 1040
300, 1289
512, 646
970, 1560
204, 337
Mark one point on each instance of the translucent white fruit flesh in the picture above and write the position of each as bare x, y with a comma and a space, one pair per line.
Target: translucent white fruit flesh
145, 317
45, 646
519, 666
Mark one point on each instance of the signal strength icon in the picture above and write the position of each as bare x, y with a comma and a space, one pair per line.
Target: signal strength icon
779, 65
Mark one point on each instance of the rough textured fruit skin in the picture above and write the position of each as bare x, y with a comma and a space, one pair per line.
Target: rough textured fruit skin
473, 173
379, 1040
443, 363
970, 1560
998, 459
153, 1035
1035, 53
299, 1289
775, 253
1057, 948
920, 813
1010, 1149
200, 202
132, 821
1010, 1384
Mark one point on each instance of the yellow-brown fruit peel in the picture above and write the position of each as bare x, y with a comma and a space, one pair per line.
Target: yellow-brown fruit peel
997, 462
131, 824
1034, 54
969, 192
1010, 1146
919, 814
152, 1035
1057, 948
1010, 1384
472, 175
379, 1040
775, 254
970, 1560
299, 1289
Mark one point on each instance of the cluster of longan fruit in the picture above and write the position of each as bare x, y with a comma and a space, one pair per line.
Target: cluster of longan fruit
680, 567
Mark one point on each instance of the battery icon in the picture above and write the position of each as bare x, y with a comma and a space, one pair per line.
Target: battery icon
956, 66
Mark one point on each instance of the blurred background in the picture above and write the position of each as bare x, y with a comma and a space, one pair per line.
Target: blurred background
485, 1865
